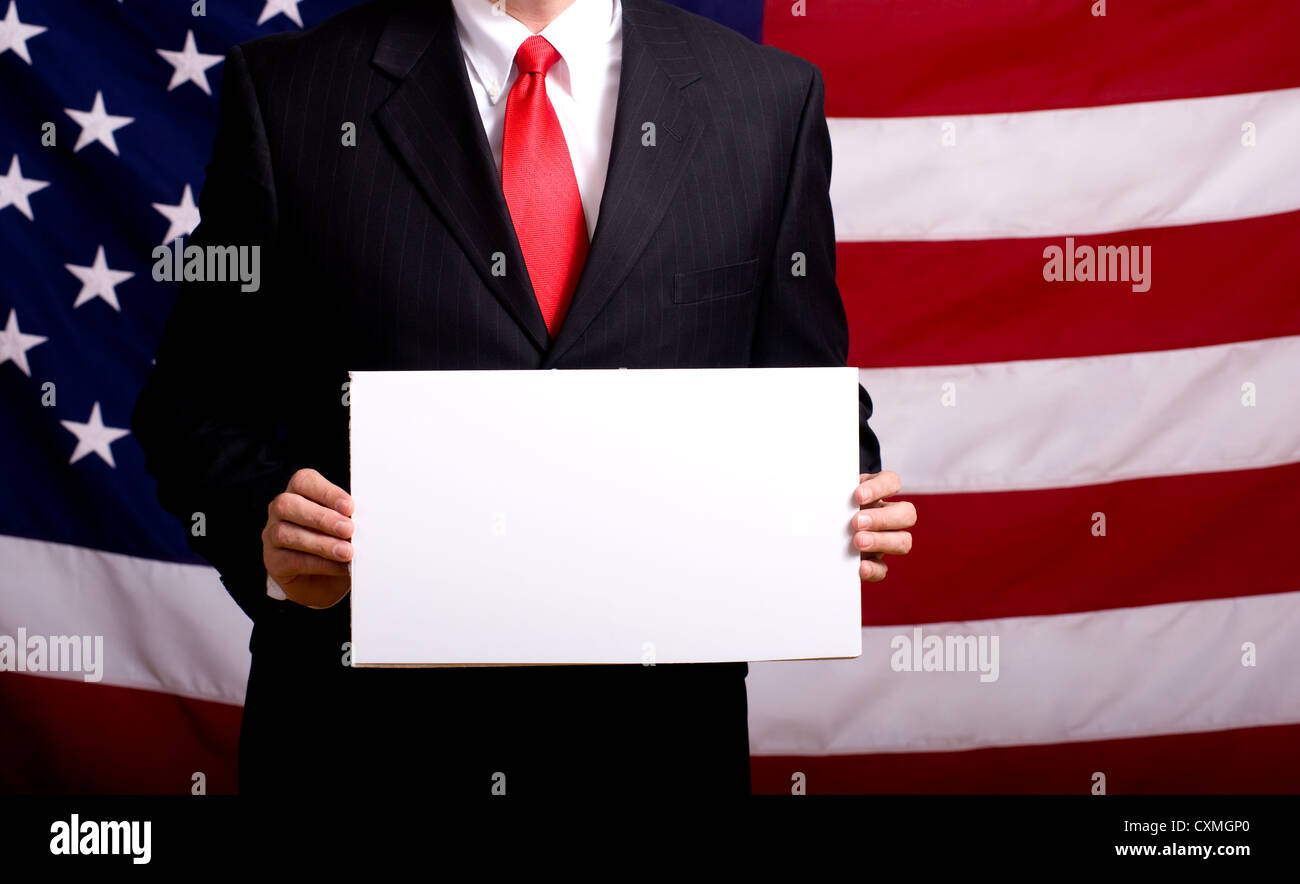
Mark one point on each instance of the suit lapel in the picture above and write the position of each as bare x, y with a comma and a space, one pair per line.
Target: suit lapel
432, 122
432, 108
641, 181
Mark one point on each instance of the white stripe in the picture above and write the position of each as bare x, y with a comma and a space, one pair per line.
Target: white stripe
1167, 668
1053, 423
1101, 675
1074, 171
166, 627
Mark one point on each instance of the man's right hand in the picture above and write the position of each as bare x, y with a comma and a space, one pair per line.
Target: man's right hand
305, 543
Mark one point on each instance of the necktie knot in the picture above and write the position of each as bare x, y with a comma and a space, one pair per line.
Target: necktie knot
535, 56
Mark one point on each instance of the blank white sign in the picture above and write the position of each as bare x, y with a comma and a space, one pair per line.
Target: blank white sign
604, 516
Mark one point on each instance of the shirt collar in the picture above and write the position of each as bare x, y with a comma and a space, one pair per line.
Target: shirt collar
490, 39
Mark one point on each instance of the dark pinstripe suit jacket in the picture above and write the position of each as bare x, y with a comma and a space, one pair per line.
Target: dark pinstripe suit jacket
380, 256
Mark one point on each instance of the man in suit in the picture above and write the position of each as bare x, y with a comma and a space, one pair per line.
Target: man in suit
437, 185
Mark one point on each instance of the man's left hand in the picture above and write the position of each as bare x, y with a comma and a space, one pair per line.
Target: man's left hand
880, 527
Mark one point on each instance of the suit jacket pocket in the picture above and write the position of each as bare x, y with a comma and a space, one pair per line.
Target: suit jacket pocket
712, 283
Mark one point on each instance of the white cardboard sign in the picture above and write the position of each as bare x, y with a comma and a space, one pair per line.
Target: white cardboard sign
604, 516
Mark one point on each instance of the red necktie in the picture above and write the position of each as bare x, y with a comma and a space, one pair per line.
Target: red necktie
539, 185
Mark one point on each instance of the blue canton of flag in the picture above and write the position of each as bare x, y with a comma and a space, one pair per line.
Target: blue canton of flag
108, 118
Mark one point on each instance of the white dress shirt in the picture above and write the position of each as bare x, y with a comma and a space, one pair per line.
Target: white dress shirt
582, 87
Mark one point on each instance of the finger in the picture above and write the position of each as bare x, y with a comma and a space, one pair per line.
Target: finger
873, 571
313, 486
295, 508
893, 543
888, 516
879, 486
286, 535
287, 564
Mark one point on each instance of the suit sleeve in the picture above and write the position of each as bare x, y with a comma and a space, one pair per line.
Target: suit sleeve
801, 319
206, 415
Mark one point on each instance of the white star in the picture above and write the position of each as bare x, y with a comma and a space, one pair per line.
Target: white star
190, 64
14, 34
184, 217
14, 189
14, 344
98, 281
97, 124
94, 436
275, 7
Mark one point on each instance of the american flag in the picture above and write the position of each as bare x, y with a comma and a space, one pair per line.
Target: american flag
1106, 471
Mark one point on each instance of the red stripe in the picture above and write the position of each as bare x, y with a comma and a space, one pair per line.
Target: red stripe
71, 737
1172, 539
1250, 761
931, 303
935, 57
